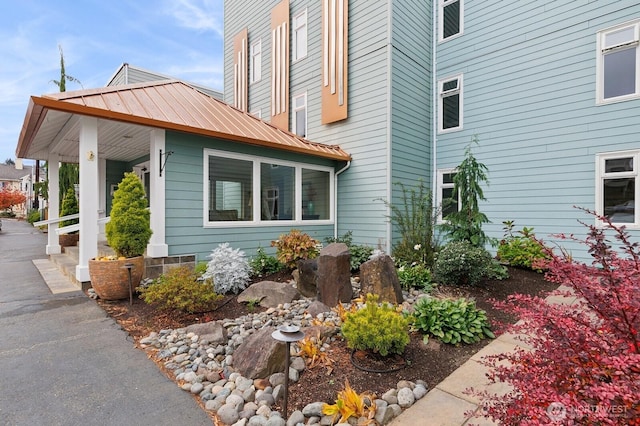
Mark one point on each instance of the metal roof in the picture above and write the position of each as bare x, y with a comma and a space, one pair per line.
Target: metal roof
126, 113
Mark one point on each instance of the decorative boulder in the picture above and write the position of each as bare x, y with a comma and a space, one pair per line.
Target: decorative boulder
213, 332
260, 355
334, 275
307, 277
379, 276
269, 293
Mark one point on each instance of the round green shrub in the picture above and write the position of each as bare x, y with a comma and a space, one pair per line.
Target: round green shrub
69, 207
377, 328
461, 263
414, 276
180, 289
129, 230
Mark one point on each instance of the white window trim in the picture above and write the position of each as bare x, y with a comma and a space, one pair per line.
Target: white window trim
601, 175
441, 5
294, 30
252, 62
257, 202
459, 91
295, 109
257, 113
440, 186
600, 61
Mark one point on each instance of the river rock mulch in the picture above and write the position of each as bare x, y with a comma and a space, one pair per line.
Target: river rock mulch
207, 372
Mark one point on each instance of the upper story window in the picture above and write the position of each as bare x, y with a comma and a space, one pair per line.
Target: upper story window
255, 61
299, 28
450, 14
448, 204
618, 76
300, 115
617, 187
450, 104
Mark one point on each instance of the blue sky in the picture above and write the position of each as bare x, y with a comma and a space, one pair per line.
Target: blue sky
180, 38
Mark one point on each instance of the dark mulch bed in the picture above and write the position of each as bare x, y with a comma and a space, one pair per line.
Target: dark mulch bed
431, 362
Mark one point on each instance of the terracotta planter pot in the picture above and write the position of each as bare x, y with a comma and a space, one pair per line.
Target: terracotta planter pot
110, 279
68, 240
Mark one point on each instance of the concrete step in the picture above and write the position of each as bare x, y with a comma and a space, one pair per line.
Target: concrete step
67, 265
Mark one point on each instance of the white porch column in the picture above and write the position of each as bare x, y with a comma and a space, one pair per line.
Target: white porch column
157, 246
53, 245
102, 196
89, 190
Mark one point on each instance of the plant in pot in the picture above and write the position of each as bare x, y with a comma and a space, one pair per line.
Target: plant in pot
69, 207
128, 233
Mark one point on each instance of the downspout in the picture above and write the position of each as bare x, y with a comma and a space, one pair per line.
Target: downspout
434, 104
389, 124
335, 205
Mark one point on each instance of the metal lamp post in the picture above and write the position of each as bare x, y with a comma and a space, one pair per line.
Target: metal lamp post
128, 267
287, 334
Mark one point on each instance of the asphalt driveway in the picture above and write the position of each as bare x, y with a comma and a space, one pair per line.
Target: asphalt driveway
64, 362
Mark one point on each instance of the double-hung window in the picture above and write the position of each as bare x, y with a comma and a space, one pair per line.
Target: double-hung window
300, 115
448, 203
618, 73
255, 61
617, 187
299, 28
450, 104
450, 19
242, 190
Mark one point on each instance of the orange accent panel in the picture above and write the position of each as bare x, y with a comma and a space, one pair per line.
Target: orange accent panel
280, 65
335, 56
240, 70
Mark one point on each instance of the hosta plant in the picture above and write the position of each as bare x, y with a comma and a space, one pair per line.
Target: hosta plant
294, 246
377, 327
229, 269
452, 321
584, 363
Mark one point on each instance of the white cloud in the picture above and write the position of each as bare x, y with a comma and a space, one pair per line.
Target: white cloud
200, 15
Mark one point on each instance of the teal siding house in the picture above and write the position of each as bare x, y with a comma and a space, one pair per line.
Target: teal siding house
550, 90
329, 104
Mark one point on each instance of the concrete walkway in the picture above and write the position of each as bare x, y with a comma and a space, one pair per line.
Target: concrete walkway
448, 405
63, 361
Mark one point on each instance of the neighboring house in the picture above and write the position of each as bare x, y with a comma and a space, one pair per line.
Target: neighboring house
18, 177
551, 90
130, 74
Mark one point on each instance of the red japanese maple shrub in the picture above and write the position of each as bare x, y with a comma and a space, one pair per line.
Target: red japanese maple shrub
584, 365
10, 198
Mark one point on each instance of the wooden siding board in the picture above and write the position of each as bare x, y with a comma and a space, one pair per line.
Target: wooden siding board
529, 95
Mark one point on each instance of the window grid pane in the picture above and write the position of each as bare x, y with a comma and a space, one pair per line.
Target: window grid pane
450, 19
315, 195
277, 188
230, 189
620, 73
451, 112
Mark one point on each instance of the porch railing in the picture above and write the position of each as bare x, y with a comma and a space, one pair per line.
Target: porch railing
69, 228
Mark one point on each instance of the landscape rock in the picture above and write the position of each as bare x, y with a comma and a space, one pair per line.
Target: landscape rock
212, 332
334, 275
378, 276
269, 293
307, 277
260, 355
